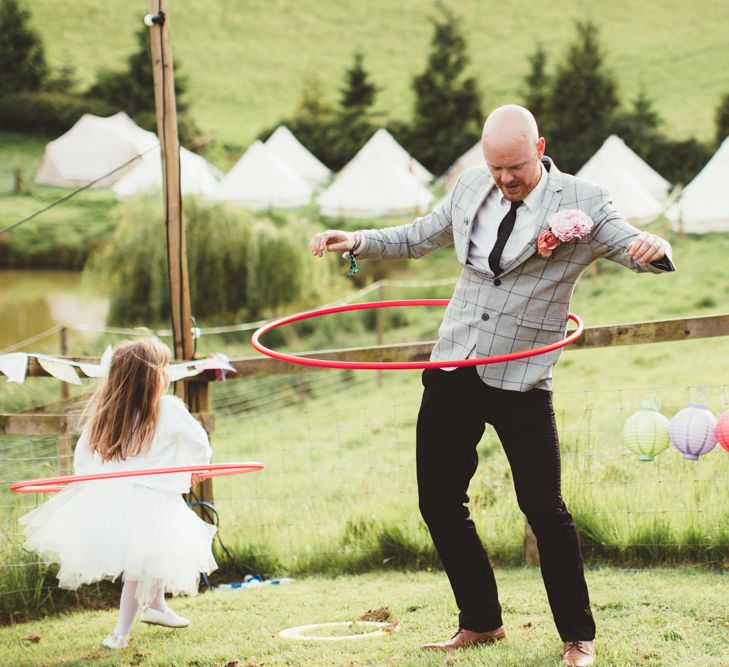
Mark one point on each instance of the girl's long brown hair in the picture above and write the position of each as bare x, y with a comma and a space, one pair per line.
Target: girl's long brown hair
125, 409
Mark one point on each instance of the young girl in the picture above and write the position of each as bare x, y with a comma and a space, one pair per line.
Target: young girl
136, 527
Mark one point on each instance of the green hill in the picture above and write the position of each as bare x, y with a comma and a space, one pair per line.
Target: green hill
246, 61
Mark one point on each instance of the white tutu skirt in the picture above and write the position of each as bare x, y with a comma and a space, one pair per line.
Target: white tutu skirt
104, 529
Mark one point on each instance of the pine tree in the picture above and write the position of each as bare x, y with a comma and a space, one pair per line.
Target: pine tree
536, 86
447, 118
353, 124
722, 120
24, 66
132, 89
582, 102
639, 128
358, 93
313, 122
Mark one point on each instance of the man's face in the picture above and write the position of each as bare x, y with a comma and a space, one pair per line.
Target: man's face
514, 165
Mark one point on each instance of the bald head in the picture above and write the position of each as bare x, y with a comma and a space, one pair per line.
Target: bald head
510, 122
513, 148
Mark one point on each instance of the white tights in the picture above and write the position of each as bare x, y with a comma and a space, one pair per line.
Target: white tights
128, 606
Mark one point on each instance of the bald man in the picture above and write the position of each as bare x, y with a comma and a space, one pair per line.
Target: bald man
508, 298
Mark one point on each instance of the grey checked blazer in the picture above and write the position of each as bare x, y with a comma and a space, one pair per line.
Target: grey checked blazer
527, 307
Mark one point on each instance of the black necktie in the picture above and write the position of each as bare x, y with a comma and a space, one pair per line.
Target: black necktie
505, 228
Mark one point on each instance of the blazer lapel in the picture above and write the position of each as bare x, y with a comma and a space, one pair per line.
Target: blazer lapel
550, 205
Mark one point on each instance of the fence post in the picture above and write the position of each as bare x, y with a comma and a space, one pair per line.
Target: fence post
18, 183
198, 398
380, 324
63, 349
64, 451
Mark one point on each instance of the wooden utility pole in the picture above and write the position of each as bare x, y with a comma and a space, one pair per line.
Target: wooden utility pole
164, 101
195, 394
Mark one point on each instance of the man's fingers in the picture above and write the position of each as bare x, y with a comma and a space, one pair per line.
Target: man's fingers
646, 248
319, 242
331, 240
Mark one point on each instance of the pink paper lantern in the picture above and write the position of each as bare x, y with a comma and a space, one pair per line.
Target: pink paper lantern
693, 431
722, 430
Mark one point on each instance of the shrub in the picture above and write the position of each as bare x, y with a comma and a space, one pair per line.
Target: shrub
241, 264
50, 113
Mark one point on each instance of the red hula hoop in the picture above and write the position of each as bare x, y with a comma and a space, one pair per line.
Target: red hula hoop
399, 365
51, 484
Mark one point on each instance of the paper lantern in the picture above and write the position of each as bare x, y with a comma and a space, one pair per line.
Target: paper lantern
645, 432
693, 431
722, 430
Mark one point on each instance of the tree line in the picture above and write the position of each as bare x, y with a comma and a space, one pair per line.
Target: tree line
577, 106
40, 99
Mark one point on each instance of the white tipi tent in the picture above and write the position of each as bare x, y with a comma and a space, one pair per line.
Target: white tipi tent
93, 147
285, 145
374, 184
197, 176
382, 146
615, 153
704, 203
637, 189
473, 157
260, 179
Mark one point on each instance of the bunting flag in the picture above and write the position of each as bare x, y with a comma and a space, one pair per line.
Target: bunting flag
180, 371
15, 366
98, 370
217, 362
60, 370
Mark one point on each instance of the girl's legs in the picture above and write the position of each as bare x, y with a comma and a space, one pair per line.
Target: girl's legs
128, 606
158, 602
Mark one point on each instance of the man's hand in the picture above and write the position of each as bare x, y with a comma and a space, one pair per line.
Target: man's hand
333, 240
646, 248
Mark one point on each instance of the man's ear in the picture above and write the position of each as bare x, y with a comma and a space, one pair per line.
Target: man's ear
541, 146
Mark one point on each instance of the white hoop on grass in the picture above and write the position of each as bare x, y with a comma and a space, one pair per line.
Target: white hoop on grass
298, 632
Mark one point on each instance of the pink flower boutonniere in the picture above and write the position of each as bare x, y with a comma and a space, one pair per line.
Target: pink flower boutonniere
564, 226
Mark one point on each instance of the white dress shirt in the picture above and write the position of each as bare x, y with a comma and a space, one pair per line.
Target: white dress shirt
490, 215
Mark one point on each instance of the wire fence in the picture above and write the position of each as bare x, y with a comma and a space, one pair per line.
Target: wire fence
338, 492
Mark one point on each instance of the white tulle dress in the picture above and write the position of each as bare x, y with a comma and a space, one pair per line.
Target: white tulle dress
137, 527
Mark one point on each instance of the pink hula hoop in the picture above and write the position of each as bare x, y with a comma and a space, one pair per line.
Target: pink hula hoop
51, 484
396, 365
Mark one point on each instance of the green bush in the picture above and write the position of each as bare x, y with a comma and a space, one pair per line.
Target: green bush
50, 113
241, 265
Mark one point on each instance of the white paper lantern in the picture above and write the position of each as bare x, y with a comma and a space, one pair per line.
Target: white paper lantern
645, 432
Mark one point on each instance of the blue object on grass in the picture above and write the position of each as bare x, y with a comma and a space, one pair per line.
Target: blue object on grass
255, 581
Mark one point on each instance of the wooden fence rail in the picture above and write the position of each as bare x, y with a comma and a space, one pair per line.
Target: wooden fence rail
638, 333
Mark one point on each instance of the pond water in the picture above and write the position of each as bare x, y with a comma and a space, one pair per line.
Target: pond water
33, 301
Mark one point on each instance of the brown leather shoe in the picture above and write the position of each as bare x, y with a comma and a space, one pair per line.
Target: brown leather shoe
579, 653
465, 638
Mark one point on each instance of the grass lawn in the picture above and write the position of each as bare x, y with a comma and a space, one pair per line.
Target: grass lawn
666, 618
246, 62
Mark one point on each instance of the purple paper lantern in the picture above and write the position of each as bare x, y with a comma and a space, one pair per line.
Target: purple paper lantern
693, 431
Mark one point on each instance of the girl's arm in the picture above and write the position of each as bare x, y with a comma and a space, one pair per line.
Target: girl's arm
82, 457
190, 434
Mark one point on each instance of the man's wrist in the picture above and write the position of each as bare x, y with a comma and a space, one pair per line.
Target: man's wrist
357, 243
